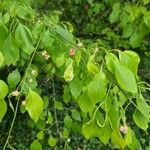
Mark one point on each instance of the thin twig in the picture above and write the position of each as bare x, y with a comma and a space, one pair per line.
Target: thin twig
54, 98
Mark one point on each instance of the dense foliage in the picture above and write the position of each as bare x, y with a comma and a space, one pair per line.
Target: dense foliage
59, 88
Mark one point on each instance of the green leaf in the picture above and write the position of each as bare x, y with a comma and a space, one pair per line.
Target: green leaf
3, 109
35, 145
58, 105
38, 29
64, 33
47, 39
135, 39
65, 133
135, 144
118, 140
3, 89
109, 61
1, 59
13, 78
91, 130
97, 88
4, 33
105, 133
68, 121
50, 118
121, 99
24, 10
114, 16
76, 115
41, 123
58, 48
52, 141
78, 57
143, 107
66, 94
128, 137
40, 135
128, 30
114, 116
85, 103
29, 84
23, 36
134, 12
146, 2
99, 118
75, 87
34, 105
125, 78
140, 120
147, 18
91, 66
130, 60
90, 1
60, 61
10, 51
124, 18
45, 102
68, 74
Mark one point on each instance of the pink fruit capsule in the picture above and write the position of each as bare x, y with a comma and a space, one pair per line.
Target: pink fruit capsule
71, 52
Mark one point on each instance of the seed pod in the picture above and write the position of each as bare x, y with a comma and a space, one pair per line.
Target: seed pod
71, 52
124, 129
23, 103
16, 93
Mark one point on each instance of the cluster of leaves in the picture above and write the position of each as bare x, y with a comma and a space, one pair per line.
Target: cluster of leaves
124, 24
118, 24
100, 84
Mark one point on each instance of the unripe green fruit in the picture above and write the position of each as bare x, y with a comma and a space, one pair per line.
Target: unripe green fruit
3, 89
